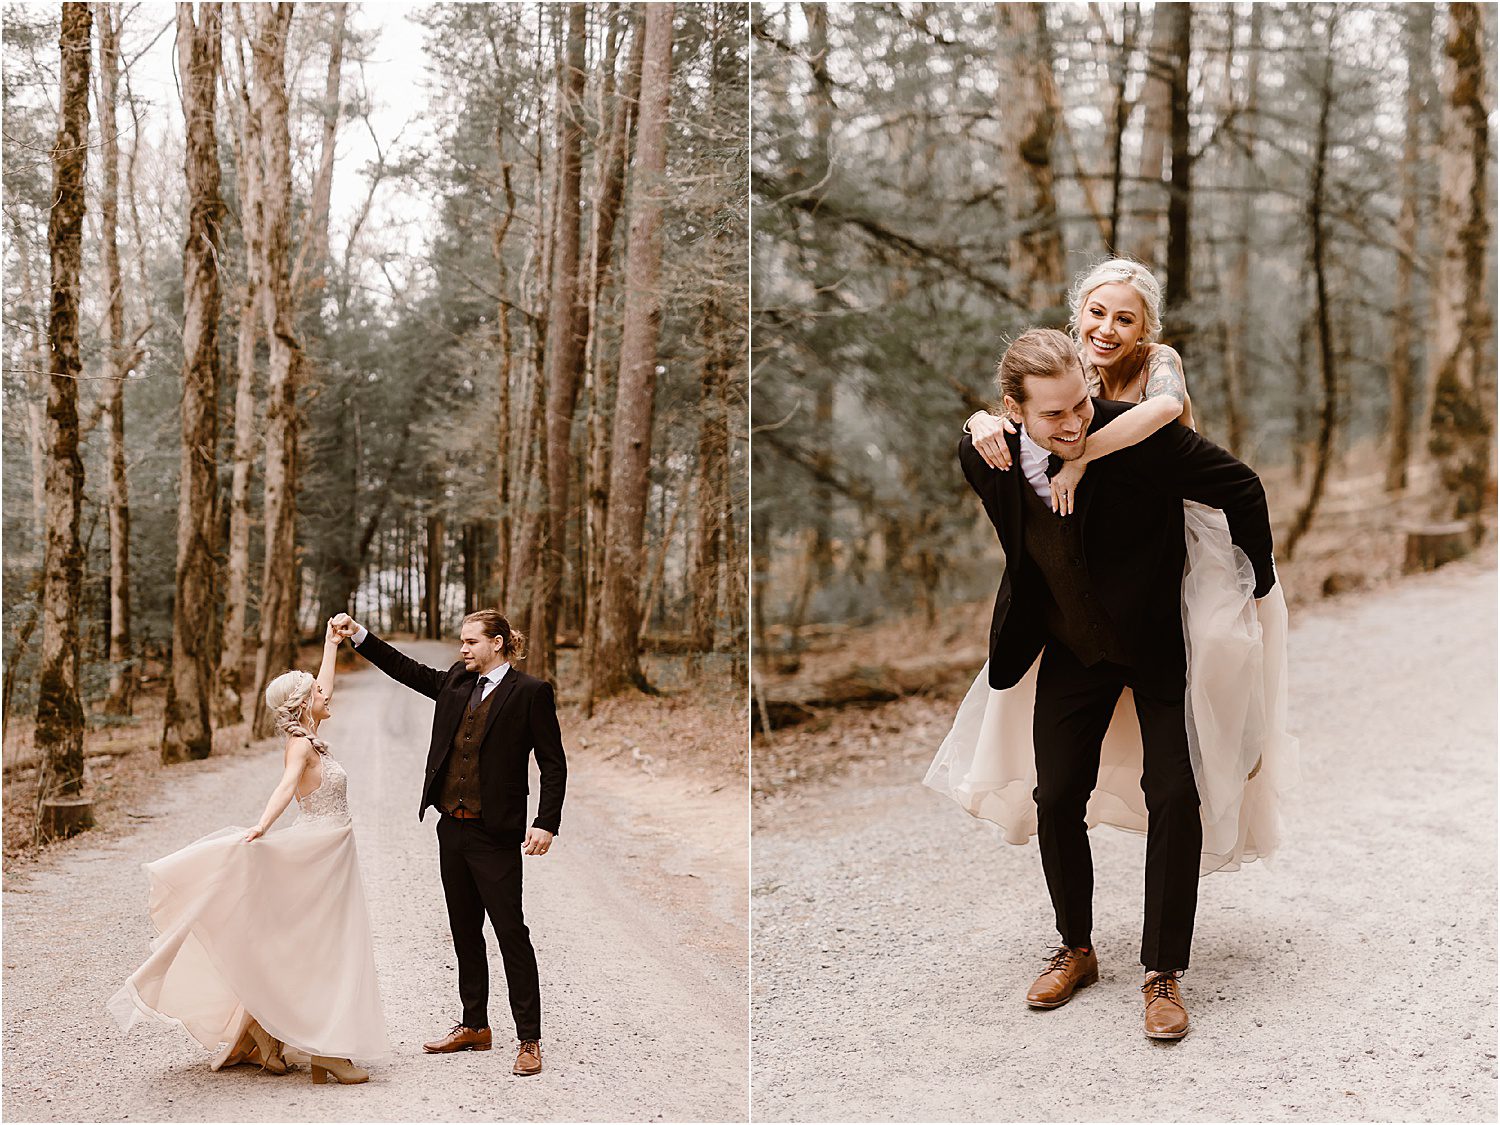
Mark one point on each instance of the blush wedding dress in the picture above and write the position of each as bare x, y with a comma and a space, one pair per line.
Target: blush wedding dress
1242, 755
275, 930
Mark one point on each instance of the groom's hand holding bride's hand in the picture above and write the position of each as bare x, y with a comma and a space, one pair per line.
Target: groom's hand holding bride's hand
538, 840
345, 625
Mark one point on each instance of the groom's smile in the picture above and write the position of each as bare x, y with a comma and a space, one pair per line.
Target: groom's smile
1056, 413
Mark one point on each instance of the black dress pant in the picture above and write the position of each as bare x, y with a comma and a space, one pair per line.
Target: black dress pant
1073, 708
481, 872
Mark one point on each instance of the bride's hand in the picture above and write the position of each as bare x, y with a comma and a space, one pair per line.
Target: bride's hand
988, 433
333, 636
1065, 486
254, 833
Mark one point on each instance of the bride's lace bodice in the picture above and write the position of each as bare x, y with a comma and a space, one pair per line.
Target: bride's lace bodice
331, 797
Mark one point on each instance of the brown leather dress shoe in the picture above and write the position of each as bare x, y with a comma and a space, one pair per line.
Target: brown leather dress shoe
528, 1058
1166, 1018
461, 1038
1067, 969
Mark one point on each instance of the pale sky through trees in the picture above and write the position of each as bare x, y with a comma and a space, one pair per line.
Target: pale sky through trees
393, 77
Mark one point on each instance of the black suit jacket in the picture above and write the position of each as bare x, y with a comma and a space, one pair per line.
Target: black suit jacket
522, 720
1129, 505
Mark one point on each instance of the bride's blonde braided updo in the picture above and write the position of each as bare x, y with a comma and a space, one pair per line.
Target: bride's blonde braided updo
287, 696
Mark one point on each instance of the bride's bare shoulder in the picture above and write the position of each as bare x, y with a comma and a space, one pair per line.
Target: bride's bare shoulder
299, 748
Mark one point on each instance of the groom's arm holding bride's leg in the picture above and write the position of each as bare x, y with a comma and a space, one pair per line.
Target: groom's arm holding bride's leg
397, 665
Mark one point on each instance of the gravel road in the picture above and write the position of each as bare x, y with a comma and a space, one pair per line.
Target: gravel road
1354, 980
638, 914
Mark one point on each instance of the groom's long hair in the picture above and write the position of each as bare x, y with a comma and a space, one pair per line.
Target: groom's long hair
493, 622
1037, 353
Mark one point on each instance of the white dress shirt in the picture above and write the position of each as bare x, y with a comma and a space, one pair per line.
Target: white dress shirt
1034, 465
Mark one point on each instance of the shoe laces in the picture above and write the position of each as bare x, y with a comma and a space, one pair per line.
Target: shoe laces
531, 1047
1163, 986
1057, 960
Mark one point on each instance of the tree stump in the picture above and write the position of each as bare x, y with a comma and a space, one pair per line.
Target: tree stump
1431, 545
66, 816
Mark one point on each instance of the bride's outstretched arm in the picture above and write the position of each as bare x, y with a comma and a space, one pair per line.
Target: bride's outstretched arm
326, 671
299, 752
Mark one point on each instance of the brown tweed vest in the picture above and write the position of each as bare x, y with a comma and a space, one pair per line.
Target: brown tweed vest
460, 782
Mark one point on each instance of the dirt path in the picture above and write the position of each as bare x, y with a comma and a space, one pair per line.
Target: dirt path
638, 915
1354, 981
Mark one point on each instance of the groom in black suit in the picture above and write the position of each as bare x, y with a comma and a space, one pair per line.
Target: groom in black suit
1098, 594
489, 718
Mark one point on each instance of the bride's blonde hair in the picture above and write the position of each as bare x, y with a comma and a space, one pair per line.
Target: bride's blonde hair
287, 697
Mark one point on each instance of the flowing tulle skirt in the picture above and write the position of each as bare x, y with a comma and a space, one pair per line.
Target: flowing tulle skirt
276, 930
1243, 757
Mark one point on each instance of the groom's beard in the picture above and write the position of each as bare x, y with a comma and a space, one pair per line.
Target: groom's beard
1068, 451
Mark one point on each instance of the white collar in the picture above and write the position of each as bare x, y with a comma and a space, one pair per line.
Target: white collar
1034, 465
1031, 447
497, 673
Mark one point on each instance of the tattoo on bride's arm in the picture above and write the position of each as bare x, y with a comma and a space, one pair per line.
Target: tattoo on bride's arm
1166, 377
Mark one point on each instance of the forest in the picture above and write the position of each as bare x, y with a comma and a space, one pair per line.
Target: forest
1312, 183
250, 382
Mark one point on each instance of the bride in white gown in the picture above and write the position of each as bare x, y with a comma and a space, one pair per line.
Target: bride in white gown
263, 938
1242, 755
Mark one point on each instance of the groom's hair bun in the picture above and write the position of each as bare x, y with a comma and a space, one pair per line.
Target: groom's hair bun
494, 624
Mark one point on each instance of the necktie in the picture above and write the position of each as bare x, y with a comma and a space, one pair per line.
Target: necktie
478, 693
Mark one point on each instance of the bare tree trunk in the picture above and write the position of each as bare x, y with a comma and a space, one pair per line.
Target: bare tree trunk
713, 478
278, 576
598, 375
1032, 115
59, 712
820, 533
1417, 24
563, 346
1236, 371
38, 361
1315, 216
668, 516
312, 256
432, 585
123, 357
619, 635
525, 566
1120, 79
230, 688
1461, 423
1157, 127
1179, 198
188, 730
502, 437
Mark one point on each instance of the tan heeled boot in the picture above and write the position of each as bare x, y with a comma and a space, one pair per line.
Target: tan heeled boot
271, 1058
342, 1069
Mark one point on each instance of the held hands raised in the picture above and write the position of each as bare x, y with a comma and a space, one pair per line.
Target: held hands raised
343, 625
988, 432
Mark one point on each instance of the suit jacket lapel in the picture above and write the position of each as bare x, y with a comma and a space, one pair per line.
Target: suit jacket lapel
497, 699
1016, 482
462, 689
